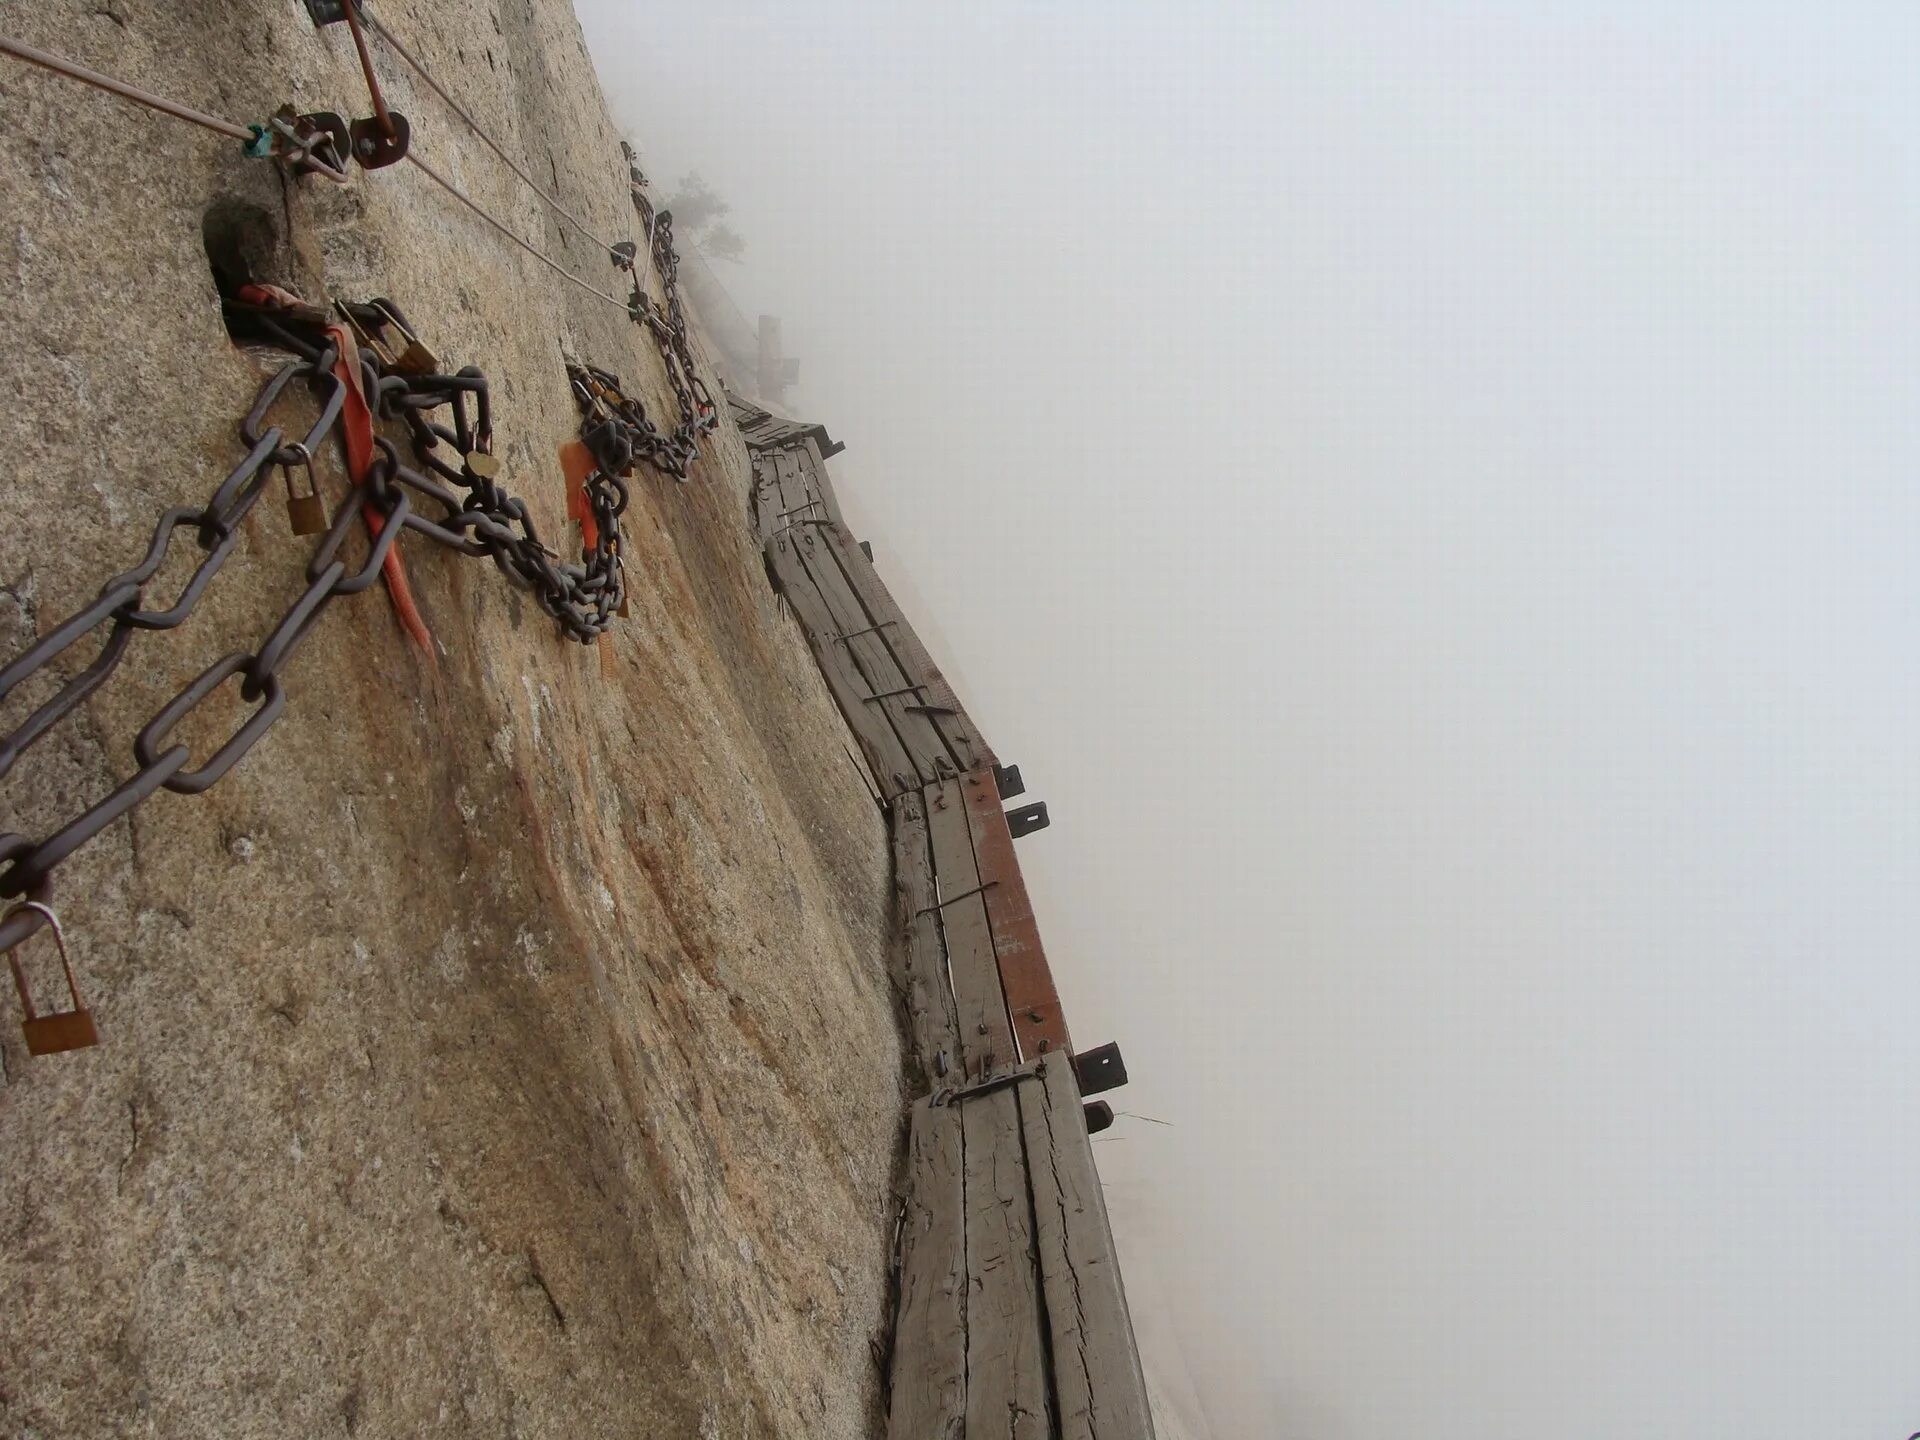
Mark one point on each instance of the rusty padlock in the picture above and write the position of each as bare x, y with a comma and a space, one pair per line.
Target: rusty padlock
376, 324
413, 357
58, 1030
306, 513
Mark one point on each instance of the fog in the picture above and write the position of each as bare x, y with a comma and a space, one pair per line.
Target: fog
1426, 494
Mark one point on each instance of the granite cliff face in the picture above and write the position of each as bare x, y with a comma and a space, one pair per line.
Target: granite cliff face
506, 1046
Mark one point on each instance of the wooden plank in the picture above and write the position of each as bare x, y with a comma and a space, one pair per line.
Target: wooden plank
884, 751
924, 723
762, 428
816, 467
1098, 1385
929, 1368
766, 495
1008, 1389
875, 661
970, 751
931, 1010
986, 1041
1033, 1003
797, 496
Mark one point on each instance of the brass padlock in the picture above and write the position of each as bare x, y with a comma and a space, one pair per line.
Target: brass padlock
306, 513
413, 358
60, 1029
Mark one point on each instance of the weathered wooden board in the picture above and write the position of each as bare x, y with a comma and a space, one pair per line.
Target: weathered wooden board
929, 1370
799, 501
986, 1041
969, 750
1098, 1386
888, 758
815, 465
766, 495
1033, 1003
761, 427
931, 1009
897, 697
1008, 1388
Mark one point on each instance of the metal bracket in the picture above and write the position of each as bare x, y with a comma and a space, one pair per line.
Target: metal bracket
1025, 819
1100, 1068
326, 12
374, 147
1006, 779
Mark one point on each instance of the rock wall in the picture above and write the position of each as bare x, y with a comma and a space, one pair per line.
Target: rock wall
506, 1046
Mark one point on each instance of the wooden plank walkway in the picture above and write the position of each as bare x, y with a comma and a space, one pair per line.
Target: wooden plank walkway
1012, 1320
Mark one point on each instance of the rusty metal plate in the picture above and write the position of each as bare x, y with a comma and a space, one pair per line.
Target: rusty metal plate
1033, 1004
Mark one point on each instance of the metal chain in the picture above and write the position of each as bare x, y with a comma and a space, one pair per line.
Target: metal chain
628, 425
479, 517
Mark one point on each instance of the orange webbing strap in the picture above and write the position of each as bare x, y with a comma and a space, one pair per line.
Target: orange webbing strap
578, 464
357, 418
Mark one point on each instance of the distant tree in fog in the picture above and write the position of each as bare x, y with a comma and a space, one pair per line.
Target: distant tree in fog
722, 242
699, 215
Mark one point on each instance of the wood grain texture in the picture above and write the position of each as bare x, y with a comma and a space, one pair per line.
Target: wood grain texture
986, 1041
1098, 1385
970, 751
855, 634
929, 1374
1008, 1387
931, 1010
816, 468
888, 759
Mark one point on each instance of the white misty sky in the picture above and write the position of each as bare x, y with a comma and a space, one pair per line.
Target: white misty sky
1427, 494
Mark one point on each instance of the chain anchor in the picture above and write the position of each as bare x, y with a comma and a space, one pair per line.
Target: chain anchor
316, 143
380, 139
57, 1030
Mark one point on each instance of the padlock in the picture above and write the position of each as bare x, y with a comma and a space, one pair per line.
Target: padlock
61, 1029
306, 513
414, 358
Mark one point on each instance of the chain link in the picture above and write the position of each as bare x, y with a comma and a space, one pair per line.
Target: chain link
626, 433
449, 428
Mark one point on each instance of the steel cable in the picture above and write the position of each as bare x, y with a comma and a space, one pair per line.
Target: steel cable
75, 71
373, 22
478, 209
